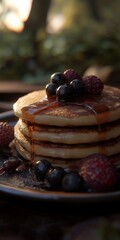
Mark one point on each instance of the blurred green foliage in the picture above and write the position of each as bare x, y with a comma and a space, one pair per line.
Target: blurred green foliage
15, 49
82, 42
80, 49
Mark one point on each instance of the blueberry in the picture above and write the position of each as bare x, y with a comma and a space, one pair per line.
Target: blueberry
51, 89
54, 176
68, 170
64, 93
78, 87
72, 182
41, 168
58, 78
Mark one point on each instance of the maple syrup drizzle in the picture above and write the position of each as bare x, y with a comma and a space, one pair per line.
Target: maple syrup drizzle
32, 152
99, 111
96, 109
49, 105
38, 107
32, 143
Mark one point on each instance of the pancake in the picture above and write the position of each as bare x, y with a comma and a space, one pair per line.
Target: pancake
70, 163
66, 151
34, 107
70, 135
66, 133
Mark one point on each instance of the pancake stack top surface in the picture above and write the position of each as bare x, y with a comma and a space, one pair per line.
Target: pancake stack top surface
71, 119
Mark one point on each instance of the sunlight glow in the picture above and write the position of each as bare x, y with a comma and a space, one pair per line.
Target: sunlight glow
14, 20
17, 12
55, 23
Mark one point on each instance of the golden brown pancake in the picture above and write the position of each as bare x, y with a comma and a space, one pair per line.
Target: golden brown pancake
88, 111
66, 151
68, 132
73, 164
70, 135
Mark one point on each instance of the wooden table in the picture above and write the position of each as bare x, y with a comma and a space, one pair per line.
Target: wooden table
21, 220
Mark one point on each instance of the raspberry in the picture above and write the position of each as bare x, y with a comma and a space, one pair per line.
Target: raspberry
71, 74
93, 85
98, 173
6, 134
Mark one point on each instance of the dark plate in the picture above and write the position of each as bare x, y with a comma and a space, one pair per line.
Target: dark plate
17, 186
38, 195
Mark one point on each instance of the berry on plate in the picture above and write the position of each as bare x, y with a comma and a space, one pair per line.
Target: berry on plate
54, 176
98, 173
6, 134
41, 168
72, 182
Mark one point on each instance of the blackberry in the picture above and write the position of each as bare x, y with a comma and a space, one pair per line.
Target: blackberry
58, 78
71, 74
64, 93
78, 87
93, 85
72, 182
51, 89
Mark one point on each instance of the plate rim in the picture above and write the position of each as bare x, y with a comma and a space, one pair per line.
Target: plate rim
59, 196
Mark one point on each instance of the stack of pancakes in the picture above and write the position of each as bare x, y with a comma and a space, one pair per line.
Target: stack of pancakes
67, 132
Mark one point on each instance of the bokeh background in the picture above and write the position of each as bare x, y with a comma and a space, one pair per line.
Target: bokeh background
39, 37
